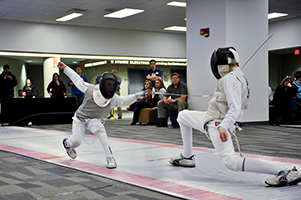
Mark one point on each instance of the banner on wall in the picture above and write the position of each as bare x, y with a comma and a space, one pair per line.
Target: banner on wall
134, 62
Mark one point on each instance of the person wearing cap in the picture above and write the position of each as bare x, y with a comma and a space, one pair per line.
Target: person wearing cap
7, 83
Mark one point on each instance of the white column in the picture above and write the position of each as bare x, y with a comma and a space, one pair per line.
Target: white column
241, 24
49, 69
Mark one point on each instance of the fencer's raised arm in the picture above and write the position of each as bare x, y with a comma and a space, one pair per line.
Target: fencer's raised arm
75, 78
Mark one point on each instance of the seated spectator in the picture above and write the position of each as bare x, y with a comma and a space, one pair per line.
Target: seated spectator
176, 103
297, 83
56, 88
28, 88
141, 103
159, 87
285, 101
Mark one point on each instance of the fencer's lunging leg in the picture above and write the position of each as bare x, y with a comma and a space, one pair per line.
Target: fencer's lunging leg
97, 128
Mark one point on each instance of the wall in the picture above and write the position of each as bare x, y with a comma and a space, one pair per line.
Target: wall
46, 38
286, 34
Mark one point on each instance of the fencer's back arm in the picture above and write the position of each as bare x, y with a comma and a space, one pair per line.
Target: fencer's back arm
76, 79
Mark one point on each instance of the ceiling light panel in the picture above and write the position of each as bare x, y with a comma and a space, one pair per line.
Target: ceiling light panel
276, 15
177, 3
69, 17
126, 12
176, 28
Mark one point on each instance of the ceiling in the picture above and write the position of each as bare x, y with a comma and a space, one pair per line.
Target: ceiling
156, 17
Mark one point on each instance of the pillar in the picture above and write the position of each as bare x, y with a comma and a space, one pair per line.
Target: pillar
241, 24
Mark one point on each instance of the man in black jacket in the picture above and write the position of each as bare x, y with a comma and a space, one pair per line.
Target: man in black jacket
7, 83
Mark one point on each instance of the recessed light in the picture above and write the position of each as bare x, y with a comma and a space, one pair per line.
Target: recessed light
177, 3
126, 12
176, 28
276, 15
69, 17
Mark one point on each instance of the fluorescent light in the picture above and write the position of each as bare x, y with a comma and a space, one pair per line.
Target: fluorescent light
124, 13
276, 15
69, 17
177, 3
176, 28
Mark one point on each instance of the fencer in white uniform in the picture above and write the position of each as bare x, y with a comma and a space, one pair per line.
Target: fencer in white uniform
97, 104
219, 121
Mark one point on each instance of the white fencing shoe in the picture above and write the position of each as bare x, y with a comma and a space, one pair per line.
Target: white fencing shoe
111, 163
70, 151
182, 161
284, 178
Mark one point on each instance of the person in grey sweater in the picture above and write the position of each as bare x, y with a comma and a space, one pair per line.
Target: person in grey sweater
97, 104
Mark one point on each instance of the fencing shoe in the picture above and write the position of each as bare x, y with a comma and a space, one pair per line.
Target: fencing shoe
70, 151
111, 163
284, 178
182, 161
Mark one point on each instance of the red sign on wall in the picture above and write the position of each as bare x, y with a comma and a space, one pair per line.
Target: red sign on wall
204, 32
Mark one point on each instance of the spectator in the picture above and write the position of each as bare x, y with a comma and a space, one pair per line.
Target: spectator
285, 101
153, 73
297, 83
119, 111
75, 92
176, 103
56, 87
29, 89
142, 103
159, 87
7, 83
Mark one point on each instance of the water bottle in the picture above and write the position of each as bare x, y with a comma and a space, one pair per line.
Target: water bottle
169, 125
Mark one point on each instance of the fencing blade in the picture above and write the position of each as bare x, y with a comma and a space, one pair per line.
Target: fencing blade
256, 51
190, 95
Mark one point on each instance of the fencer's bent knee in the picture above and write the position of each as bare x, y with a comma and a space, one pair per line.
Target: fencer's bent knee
229, 161
182, 116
